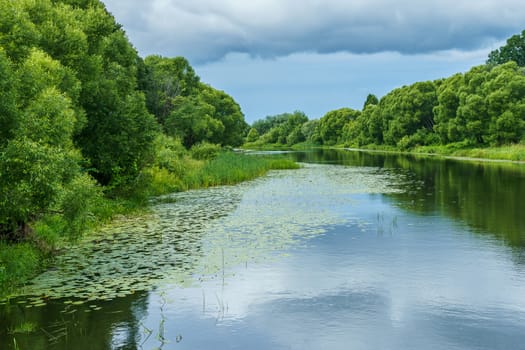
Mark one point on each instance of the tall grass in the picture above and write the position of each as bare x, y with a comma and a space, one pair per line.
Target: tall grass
231, 168
227, 168
510, 152
515, 152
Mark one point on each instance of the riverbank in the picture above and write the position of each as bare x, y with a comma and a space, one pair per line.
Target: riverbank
22, 260
503, 154
509, 153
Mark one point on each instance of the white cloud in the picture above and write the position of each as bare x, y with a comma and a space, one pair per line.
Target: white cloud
207, 30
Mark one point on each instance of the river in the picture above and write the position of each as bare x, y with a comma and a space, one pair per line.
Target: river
352, 251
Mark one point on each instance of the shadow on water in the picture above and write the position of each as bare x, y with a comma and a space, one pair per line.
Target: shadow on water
101, 325
486, 196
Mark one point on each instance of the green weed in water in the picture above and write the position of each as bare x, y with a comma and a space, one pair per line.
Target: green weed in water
23, 328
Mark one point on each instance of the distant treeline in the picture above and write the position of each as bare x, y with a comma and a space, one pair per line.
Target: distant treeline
483, 107
82, 115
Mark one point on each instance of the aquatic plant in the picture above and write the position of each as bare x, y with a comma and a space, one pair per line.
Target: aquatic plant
200, 234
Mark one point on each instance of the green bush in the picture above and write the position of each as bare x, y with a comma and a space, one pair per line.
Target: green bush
205, 151
18, 262
78, 202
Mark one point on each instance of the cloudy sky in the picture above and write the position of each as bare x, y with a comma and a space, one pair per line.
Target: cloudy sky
276, 56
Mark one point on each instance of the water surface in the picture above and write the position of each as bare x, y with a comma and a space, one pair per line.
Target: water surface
354, 250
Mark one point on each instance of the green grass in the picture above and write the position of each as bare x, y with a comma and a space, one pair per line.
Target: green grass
231, 168
514, 152
227, 168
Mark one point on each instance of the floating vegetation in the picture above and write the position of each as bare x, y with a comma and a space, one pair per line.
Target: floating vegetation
197, 235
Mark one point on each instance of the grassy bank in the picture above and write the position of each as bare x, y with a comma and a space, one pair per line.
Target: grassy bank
225, 169
179, 171
512, 153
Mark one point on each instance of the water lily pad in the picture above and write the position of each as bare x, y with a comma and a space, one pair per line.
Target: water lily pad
199, 235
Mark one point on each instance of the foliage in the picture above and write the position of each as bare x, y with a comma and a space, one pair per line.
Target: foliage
282, 129
31, 176
17, 264
82, 116
485, 105
253, 135
205, 151
166, 79
514, 50
371, 99
332, 123
230, 168
190, 110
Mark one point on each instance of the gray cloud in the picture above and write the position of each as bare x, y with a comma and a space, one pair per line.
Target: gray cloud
207, 30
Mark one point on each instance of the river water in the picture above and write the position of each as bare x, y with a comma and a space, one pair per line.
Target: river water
352, 251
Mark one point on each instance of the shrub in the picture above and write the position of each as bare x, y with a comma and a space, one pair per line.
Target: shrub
205, 151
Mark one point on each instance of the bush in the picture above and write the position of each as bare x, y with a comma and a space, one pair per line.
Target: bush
18, 262
205, 151
78, 202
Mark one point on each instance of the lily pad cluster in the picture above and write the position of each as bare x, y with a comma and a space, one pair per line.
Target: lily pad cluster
199, 234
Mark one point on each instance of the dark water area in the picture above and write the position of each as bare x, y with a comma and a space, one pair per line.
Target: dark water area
353, 251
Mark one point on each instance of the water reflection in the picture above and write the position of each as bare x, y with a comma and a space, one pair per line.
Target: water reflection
116, 325
487, 196
387, 252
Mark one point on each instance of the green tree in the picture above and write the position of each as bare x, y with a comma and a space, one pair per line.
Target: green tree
332, 123
505, 100
371, 99
252, 136
406, 110
165, 80
278, 128
228, 113
31, 175
8, 109
310, 130
192, 121
514, 50
447, 125
17, 33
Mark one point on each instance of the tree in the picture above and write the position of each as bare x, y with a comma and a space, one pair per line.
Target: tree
310, 131
505, 100
278, 128
406, 110
167, 78
252, 136
228, 113
8, 110
371, 99
514, 50
332, 123
192, 121
445, 112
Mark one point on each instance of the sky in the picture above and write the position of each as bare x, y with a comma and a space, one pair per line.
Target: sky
277, 56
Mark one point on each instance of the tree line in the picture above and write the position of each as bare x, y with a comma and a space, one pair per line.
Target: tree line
482, 107
81, 113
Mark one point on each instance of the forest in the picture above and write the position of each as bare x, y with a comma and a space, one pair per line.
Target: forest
484, 107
